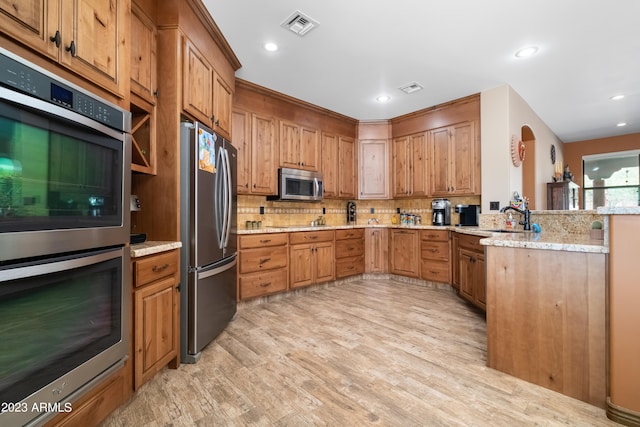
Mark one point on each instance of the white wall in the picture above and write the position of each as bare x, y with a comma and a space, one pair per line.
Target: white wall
503, 112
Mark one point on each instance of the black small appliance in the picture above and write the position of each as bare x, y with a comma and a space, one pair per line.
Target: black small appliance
468, 215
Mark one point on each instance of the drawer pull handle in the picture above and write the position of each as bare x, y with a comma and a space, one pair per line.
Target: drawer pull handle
159, 268
265, 241
313, 237
263, 260
264, 285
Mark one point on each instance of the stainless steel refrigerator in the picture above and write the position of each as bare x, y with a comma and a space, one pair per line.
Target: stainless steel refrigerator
208, 234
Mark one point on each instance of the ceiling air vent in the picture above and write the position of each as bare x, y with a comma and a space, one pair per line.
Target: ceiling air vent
299, 23
411, 87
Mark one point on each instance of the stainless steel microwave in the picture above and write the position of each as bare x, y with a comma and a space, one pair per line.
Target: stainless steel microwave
298, 184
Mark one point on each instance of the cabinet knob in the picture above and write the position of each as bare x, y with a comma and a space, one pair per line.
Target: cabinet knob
57, 39
71, 48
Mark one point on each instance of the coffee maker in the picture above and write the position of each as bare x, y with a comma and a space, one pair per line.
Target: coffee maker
468, 215
351, 212
441, 211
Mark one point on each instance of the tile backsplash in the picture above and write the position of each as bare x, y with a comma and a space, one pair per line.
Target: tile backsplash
278, 213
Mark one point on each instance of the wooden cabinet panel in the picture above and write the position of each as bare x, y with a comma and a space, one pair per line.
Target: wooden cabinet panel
351, 233
222, 101
259, 259
410, 165
301, 266
264, 155
347, 161
376, 250
261, 240
197, 84
330, 167
349, 248
349, 252
437, 251
373, 171
263, 283
311, 237
289, 143
454, 160
324, 262
471, 270
156, 308
310, 149
241, 140
346, 267
143, 55
401, 165
435, 255
34, 23
311, 258
405, 253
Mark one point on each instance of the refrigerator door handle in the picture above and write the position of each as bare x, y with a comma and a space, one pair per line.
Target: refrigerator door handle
229, 197
217, 270
220, 199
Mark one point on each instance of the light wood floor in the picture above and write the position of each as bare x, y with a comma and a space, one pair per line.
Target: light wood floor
368, 352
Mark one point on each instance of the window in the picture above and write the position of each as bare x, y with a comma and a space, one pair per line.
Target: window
611, 180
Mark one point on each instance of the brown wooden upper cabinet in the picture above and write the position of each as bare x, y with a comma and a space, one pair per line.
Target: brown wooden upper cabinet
206, 96
339, 171
454, 160
299, 146
409, 157
86, 36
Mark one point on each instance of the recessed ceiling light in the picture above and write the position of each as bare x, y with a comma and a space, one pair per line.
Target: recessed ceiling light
526, 51
621, 124
270, 46
616, 97
383, 98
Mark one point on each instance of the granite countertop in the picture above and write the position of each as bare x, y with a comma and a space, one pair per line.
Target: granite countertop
632, 210
547, 241
152, 247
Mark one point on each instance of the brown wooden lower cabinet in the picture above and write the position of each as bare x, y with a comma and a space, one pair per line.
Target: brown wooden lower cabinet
376, 253
404, 252
349, 252
156, 314
311, 258
262, 265
435, 256
471, 270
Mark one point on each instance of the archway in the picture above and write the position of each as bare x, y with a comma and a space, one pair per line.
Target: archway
529, 166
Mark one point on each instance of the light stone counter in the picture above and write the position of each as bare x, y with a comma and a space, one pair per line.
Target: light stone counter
633, 210
152, 247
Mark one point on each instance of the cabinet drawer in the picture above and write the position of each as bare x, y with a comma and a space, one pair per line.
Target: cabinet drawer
470, 242
438, 251
349, 266
352, 233
436, 271
435, 235
310, 237
262, 240
347, 248
264, 283
154, 267
267, 258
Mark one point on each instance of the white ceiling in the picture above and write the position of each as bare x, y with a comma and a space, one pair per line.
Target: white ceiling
588, 52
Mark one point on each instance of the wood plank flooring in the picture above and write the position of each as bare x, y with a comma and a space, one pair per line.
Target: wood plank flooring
367, 352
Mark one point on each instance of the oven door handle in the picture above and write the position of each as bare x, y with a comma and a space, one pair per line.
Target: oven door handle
58, 264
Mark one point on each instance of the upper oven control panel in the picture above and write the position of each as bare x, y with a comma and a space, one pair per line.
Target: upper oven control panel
19, 74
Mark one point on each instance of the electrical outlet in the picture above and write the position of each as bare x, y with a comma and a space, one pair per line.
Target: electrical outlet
324, 211
261, 210
494, 206
372, 210
397, 210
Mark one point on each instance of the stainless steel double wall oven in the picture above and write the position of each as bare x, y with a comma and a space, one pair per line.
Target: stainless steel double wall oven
64, 232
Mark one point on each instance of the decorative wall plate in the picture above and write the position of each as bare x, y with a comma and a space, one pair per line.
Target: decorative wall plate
553, 154
517, 151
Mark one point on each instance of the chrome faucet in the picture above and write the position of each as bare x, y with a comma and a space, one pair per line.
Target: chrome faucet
526, 212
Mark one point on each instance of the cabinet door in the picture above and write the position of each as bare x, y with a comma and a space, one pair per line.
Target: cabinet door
324, 262
34, 23
479, 285
222, 99
289, 145
401, 165
466, 273
93, 39
156, 335
264, 155
418, 167
143, 55
347, 161
376, 250
373, 171
241, 140
405, 253
463, 159
309, 149
330, 164
439, 162
197, 84
300, 265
